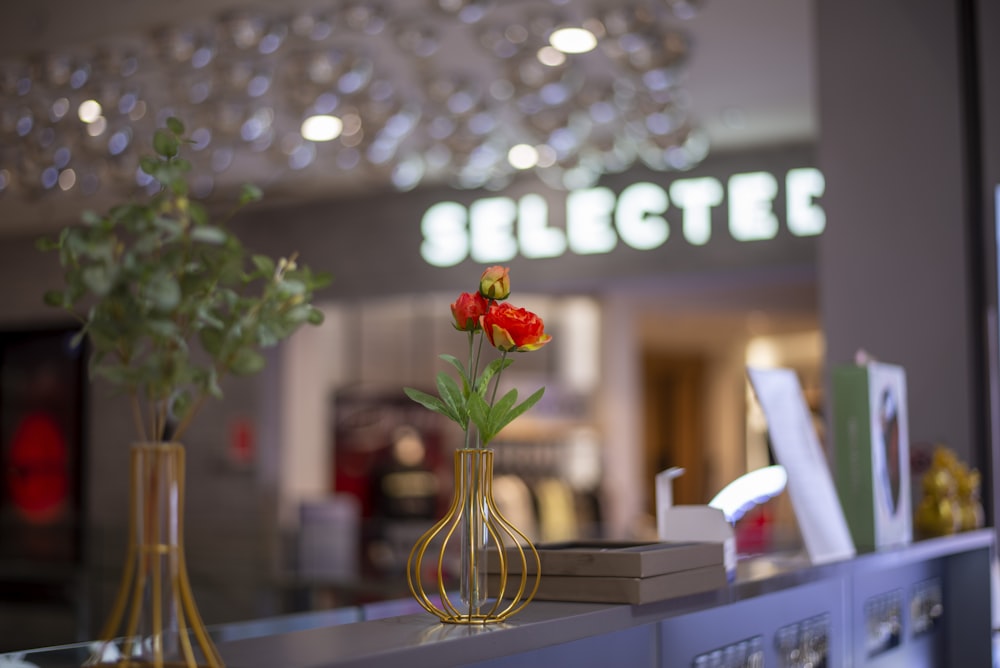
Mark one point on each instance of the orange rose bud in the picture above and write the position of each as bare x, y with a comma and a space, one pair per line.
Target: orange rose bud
512, 328
495, 283
467, 310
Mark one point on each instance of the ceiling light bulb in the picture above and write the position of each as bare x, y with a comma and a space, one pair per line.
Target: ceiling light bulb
321, 128
573, 40
89, 111
551, 56
522, 156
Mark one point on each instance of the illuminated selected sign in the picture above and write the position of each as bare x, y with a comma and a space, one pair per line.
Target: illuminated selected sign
497, 229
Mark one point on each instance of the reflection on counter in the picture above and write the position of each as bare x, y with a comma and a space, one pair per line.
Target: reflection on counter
747, 653
883, 622
804, 644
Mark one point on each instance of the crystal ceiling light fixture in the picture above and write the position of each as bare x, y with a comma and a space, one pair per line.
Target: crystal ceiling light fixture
473, 93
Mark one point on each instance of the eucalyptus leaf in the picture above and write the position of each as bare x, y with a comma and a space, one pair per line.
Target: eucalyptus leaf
165, 143
316, 316
174, 302
250, 193
208, 234
164, 292
246, 362
263, 263
291, 288
98, 279
299, 313
149, 165
54, 298
91, 218
180, 404
211, 340
175, 125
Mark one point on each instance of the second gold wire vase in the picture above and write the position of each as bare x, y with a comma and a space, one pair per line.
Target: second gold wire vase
475, 528
154, 622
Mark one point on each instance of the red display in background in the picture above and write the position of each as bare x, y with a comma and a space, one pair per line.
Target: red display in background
38, 469
42, 404
241, 441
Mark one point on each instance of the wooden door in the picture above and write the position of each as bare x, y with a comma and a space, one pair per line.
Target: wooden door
674, 421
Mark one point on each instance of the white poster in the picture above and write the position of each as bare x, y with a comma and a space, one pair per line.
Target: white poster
797, 448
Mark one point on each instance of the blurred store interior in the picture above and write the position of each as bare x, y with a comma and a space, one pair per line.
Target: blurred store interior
309, 483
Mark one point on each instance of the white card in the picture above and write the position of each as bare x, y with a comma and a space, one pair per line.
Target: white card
797, 448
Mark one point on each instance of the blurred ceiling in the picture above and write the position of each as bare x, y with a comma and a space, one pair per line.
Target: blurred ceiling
742, 78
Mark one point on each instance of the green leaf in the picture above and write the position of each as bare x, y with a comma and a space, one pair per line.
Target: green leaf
91, 218
455, 362
165, 144
250, 193
264, 264
499, 411
175, 125
518, 410
164, 292
211, 340
429, 401
290, 288
209, 234
198, 213
45, 244
452, 396
299, 313
163, 328
149, 165
479, 413
172, 227
316, 316
247, 361
210, 383
180, 404
207, 319
98, 279
493, 368
78, 338
54, 298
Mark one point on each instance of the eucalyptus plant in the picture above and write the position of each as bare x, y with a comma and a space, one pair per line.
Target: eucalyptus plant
171, 301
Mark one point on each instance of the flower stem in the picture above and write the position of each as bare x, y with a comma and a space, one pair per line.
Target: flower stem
496, 381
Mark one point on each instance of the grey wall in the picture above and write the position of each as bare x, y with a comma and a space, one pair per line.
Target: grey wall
895, 268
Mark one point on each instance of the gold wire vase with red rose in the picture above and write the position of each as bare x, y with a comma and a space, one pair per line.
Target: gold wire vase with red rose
473, 528
154, 621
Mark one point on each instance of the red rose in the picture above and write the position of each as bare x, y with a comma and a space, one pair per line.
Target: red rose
511, 328
495, 283
467, 310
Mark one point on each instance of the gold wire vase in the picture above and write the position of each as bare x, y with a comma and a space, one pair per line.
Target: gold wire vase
474, 522
154, 621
